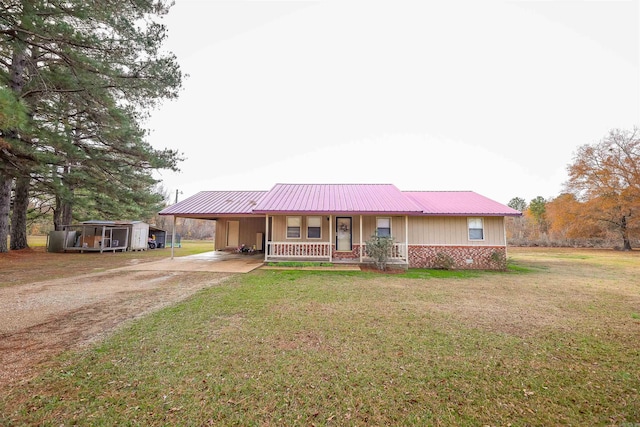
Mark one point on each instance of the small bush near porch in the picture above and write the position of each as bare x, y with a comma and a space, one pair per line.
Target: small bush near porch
379, 248
553, 341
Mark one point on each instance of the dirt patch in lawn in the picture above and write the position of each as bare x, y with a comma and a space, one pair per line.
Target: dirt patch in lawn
41, 320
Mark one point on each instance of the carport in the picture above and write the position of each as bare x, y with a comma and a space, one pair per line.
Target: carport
236, 224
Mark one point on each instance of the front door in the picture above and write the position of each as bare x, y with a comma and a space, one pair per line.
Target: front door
343, 234
233, 234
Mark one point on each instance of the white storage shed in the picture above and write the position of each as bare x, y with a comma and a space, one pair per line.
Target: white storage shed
110, 236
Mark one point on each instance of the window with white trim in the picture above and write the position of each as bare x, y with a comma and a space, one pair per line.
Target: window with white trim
383, 227
294, 224
476, 228
314, 227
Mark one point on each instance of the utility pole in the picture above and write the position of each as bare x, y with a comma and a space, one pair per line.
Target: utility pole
173, 229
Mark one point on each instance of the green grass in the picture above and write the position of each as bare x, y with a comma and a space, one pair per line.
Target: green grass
188, 247
274, 348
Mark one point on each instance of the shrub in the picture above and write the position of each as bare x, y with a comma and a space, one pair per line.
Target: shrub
444, 261
379, 248
499, 259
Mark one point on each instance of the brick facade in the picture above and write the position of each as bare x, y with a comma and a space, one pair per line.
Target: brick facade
354, 254
458, 257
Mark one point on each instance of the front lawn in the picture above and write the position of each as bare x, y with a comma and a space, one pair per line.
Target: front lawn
552, 342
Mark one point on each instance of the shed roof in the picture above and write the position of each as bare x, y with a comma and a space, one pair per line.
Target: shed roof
108, 223
216, 203
347, 198
458, 203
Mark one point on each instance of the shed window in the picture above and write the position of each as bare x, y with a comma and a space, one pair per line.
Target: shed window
294, 224
314, 227
383, 227
476, 229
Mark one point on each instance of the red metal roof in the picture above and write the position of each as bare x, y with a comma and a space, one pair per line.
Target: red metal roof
337, 198
352, 198
458, 203
215, 203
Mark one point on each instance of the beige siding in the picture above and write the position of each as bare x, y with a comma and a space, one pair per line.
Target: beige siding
397, 227
422, 230
249, 227
279, 231
280, 228
368, 228
454, 231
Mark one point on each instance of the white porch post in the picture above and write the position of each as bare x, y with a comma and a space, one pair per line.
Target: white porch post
266, 237
102, 239
173, 236
406, 237
361, 247
330, 237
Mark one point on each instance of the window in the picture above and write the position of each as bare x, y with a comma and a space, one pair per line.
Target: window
314, 227
294, 224
383, 227
476, 231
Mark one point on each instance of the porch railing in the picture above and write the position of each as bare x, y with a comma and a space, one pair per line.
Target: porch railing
398, 252
320, 250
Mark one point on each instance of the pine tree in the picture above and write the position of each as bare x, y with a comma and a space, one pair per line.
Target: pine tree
88, 72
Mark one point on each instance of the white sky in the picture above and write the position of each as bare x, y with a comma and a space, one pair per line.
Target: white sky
489, 96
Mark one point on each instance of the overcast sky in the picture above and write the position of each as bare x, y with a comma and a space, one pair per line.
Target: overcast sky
489, 96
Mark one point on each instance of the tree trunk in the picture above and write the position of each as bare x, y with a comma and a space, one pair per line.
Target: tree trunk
67, 213
62, 214
57, 222
626, 242
16, 84
19, 214
5, 205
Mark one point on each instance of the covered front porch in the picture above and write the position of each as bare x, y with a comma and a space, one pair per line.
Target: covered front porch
332, 238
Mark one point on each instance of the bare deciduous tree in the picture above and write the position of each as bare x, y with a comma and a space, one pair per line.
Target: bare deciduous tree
606, 177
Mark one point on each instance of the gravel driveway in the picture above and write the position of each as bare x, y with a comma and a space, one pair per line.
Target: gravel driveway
40, 320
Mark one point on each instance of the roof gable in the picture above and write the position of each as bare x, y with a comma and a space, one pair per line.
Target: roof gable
458, 203
347, 198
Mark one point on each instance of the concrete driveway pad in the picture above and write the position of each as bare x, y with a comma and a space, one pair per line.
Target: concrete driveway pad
214, 261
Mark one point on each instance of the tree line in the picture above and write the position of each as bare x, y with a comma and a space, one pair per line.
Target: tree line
599, 204
78, 79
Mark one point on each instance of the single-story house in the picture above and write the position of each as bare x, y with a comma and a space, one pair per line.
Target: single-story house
332, 222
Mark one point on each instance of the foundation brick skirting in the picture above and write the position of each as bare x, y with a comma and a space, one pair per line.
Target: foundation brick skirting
458, 257
353, 254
